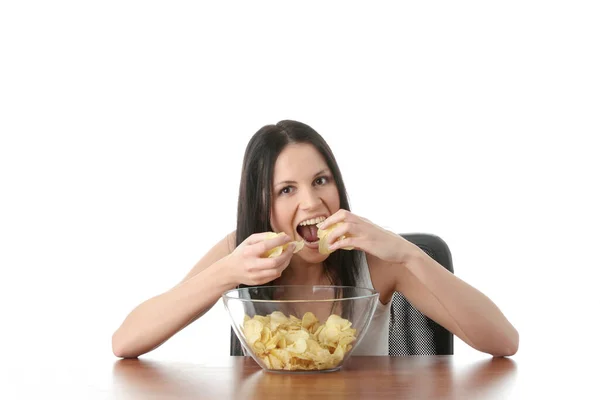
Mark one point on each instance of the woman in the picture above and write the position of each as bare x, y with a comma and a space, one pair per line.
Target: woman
291, 183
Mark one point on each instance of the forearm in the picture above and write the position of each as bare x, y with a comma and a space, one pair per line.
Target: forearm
458, 306
157, 319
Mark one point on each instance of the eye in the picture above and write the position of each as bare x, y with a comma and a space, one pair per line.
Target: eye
286, 190
322, 180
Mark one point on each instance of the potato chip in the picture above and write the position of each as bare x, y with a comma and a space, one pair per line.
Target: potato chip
276, 363
322, 235
276, 251
253, 329
291, 343
277, 318
309, 320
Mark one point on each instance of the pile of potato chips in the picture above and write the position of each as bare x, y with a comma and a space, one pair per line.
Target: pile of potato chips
299, 344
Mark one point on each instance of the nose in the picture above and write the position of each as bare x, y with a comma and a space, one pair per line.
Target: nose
309, 200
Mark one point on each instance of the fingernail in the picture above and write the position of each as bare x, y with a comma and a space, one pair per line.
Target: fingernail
320, 224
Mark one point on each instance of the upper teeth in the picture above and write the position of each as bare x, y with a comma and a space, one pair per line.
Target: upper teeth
312, 221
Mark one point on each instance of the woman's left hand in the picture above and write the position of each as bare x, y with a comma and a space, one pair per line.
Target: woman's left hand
364, 235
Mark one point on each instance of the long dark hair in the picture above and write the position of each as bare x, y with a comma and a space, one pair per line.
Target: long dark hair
254, 201
255, 194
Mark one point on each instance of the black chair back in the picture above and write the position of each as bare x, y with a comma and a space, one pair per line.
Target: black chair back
411, 332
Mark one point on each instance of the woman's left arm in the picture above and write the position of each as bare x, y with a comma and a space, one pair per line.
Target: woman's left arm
428, 286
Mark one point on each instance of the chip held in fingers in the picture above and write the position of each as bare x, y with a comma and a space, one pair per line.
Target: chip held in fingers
322, 235
276, 251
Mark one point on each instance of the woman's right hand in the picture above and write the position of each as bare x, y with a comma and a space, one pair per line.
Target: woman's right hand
249, 265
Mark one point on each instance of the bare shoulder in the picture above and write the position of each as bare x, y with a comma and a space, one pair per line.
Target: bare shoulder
221, 249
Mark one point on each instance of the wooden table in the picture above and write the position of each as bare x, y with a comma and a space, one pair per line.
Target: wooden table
416, 377
428, 377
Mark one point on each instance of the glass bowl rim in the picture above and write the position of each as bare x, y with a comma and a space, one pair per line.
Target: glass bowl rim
372, 293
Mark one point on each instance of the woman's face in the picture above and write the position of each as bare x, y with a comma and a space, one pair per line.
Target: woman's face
304, 194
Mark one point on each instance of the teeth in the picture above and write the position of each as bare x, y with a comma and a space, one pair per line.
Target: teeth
312, 221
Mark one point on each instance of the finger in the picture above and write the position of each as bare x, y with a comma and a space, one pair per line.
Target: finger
265, 264
289, 251
268, 244
257, 238
265, 276
339, 216
285, 258
277, 261
347, 243
339, 231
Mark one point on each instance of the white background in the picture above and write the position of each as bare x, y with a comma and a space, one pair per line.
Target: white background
123, 126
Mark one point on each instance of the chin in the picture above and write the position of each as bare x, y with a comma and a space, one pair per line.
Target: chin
312, 256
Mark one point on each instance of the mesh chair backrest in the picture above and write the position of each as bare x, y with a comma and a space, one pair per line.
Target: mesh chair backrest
411, 332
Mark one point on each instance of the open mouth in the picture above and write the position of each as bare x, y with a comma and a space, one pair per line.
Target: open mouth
308, 230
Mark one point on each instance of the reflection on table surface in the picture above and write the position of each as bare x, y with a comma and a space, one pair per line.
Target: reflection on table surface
420, 377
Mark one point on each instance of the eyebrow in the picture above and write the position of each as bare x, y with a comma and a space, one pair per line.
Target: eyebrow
314, 176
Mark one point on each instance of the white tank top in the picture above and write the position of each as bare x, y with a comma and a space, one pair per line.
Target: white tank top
375, 341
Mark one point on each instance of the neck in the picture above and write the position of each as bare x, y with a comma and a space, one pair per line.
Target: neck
301, 272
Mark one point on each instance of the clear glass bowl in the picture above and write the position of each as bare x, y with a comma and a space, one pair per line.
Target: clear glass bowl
298, 328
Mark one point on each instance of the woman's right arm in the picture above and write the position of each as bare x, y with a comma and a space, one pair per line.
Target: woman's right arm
157, 319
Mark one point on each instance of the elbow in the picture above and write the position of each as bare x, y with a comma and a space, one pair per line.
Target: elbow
513, 347
117, 347
119, 352
509, 347
498, 345
120, 349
